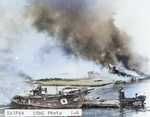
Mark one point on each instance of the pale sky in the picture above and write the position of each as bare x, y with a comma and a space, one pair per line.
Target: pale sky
21, 46
25, 50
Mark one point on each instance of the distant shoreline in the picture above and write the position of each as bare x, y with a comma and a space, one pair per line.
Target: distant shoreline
74, 82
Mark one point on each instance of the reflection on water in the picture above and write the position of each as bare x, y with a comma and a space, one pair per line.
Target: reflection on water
121, 112
111, 92
108, 92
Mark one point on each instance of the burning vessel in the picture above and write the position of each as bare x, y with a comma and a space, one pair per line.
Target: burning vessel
114, 70
69, 97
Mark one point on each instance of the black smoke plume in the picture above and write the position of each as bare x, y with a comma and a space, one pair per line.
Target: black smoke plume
84, 31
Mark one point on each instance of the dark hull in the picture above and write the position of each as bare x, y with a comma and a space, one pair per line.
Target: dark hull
49, 101
131, 101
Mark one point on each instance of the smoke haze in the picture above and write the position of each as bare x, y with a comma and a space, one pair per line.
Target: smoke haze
86, 31
10, 31
44, 39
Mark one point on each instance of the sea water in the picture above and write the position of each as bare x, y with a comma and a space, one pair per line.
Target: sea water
111, 92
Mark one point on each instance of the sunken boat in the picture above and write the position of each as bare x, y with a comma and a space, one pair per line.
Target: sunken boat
137, 101
69, 97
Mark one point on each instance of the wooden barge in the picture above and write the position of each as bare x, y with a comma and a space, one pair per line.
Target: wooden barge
70, 97
136, 102
116, 103
101, 103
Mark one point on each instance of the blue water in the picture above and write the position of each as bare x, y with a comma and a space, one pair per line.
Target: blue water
111, 92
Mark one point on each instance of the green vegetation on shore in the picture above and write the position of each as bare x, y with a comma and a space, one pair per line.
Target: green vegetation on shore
61, 79
71, 82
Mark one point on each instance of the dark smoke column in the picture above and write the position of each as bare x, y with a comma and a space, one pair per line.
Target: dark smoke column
84, 31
